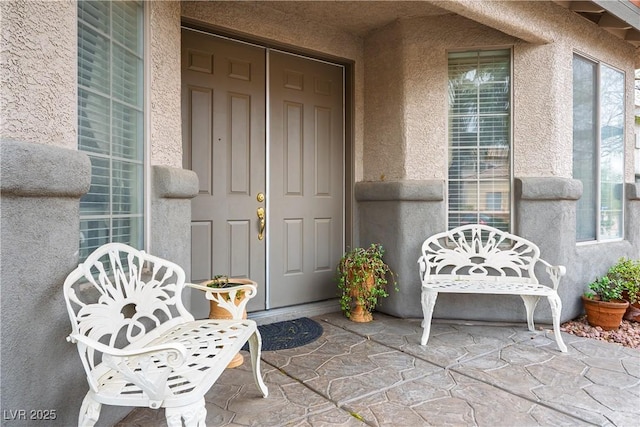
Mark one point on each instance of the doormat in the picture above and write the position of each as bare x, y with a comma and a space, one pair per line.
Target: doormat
288, 334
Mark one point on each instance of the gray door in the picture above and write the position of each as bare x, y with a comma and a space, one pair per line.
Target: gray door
306, 178
225, 142
223, 113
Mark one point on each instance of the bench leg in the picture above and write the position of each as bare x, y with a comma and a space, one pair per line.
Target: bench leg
428, 300
89, 411
193, 415
530, 303
255, 346
556, 309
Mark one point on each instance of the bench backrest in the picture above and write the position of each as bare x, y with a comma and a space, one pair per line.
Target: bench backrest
123, 297
477, 251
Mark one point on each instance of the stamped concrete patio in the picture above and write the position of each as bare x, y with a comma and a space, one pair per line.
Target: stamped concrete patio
377, 374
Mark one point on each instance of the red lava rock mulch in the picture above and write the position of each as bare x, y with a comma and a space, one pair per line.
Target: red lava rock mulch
627, 335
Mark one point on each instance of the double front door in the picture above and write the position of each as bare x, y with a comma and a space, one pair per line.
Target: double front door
264, 132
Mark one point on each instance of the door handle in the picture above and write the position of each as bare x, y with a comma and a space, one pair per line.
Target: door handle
263, 222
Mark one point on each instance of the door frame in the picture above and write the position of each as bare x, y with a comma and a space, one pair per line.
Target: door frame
348, 113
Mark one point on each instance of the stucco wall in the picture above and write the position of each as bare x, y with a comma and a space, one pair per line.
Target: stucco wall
164, 73
543, 81
406, 63
410, 58
385, 138
38, 94
43, 178
38, 72
542, 140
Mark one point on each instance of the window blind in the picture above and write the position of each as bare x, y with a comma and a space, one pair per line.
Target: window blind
110, 121
479, 182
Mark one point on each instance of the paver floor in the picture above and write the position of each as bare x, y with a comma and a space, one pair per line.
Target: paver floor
378, 374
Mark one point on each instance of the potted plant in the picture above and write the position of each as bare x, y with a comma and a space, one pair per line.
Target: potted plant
220, 281
627, 271
220, 306
603, 303
363, 277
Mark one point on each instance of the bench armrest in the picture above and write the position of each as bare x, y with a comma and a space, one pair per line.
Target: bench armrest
234, 299
144, 372
422, 264
555, 272
177, 353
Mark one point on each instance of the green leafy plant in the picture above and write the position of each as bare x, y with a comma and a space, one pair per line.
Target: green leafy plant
220, 281
627, 272
363, 278
605, 289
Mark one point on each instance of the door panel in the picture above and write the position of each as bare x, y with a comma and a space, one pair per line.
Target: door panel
224, 143
306, 178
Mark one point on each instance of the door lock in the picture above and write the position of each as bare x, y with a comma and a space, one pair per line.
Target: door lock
263, 222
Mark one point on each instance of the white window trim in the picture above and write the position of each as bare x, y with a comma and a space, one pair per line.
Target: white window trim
146, 127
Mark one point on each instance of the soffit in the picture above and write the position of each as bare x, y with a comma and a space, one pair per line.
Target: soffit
620, 18
357, 17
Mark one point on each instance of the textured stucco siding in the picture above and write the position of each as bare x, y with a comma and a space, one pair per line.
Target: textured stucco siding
409, 57
38, 67
427, 43
164, 72
43, 178
543, 88
385, 139
260, 22
38, 72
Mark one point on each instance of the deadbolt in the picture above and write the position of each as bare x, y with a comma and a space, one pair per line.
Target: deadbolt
260, 197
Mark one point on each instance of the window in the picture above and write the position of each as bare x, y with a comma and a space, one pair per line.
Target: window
479, 184
598, 149
110, 121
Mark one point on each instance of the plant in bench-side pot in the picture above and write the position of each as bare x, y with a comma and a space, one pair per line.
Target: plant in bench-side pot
220, 282
603, 303
217, 311
363, 278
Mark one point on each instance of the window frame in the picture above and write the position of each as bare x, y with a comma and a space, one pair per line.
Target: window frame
598, 150
510, 160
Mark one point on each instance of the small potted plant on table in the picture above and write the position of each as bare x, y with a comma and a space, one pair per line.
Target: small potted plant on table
228, 297
363, 278
217, 307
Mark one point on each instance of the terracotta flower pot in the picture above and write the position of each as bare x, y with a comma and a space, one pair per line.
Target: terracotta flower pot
633, 312
217, 312
359, 313
607, 315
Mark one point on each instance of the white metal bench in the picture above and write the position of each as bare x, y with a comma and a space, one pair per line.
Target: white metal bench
479, 259
139, 345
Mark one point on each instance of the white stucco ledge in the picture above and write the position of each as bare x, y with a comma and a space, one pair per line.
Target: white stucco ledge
416, 190
548, 188
633, 191
175, 183
38, 170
